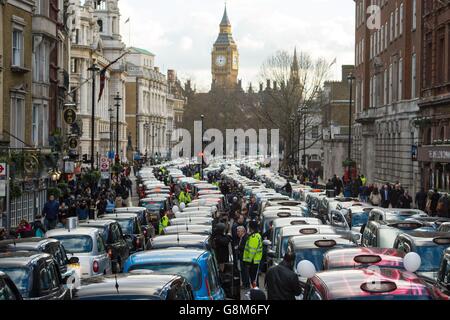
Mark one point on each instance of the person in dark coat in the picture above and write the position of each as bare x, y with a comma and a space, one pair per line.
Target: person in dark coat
282, 282
385, 196
434, 202
239, 222
239, 249
421, 199
221, 242
405, 200
252, 209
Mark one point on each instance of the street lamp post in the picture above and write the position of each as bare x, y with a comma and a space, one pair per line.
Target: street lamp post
117, 98
111, 116
350, 78
203, 155
146, 135
94, 69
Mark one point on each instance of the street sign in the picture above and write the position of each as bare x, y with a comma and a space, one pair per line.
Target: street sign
69, 167
2, 169
70, 116
104, 164
105, 175
73, 143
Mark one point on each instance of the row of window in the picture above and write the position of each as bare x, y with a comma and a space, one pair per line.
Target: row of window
361, 11
387, 86
388, 33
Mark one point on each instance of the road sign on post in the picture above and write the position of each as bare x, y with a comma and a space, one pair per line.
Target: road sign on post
70, 116
104, 164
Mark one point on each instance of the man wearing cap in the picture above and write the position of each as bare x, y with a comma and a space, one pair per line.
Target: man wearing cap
253, 253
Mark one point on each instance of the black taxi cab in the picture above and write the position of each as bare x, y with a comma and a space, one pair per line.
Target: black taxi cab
8, 290
36, 275
52, 247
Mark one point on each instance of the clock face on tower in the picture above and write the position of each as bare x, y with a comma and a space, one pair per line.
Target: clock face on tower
221, 61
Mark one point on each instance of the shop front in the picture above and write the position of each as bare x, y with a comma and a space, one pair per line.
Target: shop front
435, 166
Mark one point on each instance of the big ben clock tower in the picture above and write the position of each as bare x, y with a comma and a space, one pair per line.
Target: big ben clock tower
225, 58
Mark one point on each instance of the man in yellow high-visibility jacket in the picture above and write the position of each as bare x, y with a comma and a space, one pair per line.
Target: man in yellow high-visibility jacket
163, 223
197, 176
253, 253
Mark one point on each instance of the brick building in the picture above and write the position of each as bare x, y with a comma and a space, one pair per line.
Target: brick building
388, 78
434, 120
335, 117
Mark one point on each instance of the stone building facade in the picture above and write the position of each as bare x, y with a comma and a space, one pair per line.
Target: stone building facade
387, 92
92, 44
434, 119
154, 100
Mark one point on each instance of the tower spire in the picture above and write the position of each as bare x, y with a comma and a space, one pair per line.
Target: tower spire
295, 69
225, 20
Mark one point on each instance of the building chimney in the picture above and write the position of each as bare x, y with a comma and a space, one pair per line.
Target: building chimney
346, 70
261, 87
275, 85
240, 84
268, 84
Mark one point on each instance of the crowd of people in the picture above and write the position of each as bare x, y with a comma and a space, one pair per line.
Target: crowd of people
391, 196
81, 200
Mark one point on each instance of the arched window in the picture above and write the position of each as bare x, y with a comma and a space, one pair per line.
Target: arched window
100, 24
442, 135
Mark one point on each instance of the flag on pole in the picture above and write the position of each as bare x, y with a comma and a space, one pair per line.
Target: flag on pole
103, 75
128, 20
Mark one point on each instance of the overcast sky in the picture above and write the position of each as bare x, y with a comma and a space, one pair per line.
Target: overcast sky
181, 33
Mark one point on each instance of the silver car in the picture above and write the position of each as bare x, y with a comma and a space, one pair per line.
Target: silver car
88, 246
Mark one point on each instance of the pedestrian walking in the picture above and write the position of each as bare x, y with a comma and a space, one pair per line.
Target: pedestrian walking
282, 282
375, 197
253, 253
385, 196
221, 245
50, 213
405, 200
443, 207
252, 208
239, 249
83, 211
421, 199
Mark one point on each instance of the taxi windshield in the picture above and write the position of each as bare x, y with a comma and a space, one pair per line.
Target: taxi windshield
153, 205
359, 219
431, 257
20, 277
189, 271
76, 244
313, 255
126, 226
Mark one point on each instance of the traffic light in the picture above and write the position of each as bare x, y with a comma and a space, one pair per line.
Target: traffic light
304, 160
85, 158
